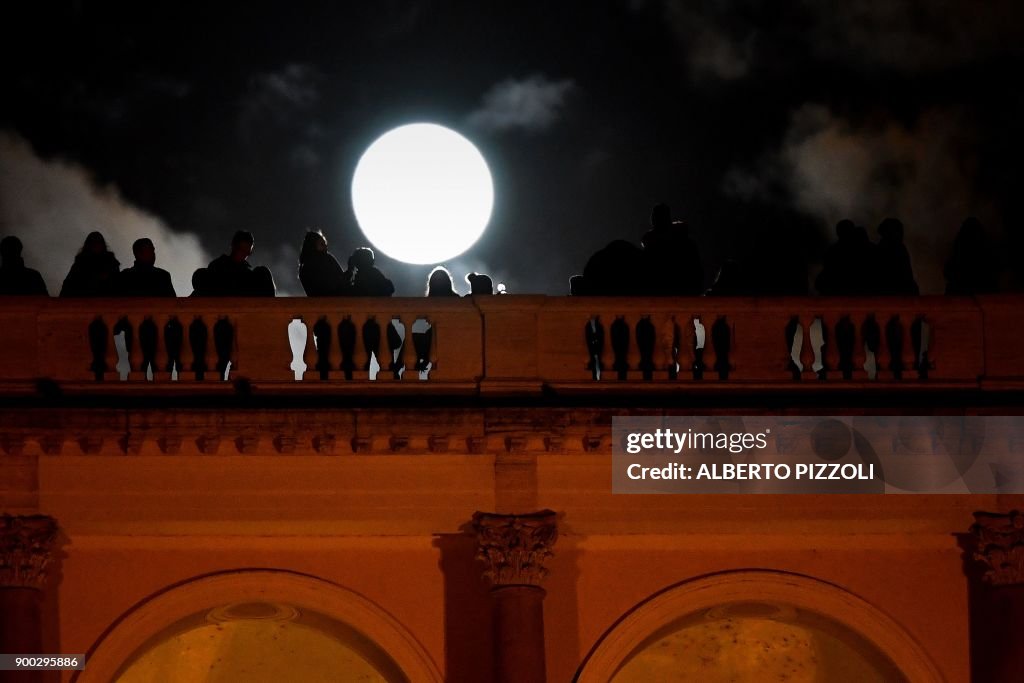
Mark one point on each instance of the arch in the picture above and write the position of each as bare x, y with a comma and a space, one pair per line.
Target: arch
615, 647
150, 618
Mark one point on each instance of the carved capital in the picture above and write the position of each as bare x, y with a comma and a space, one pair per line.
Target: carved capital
515, 547
26, 547
999, 545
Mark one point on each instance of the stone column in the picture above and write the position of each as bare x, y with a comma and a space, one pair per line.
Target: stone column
998, 612
514, 548
26, 545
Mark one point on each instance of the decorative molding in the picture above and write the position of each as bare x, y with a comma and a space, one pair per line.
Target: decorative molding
554, 443
437, 444
476, 445
169, 445
362, 444
325, 444
515, 444
247, 444
398, 444
208, 444
26, 548
13, 445
999, 545
52, 445
591, 443
91, 445
132, 443
515, 546
286, 443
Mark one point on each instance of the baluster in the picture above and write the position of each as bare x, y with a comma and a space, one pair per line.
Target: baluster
845, 337
422, 340
920, 337
322, 342
795, 344
645, 343
147, 342
123, 346
224, 342
347, 342
198, 336
620, 346
371, 342
819, 341
174, 336
894, 340
98, 347
593, 332
871, 332
721, 339
396, 347
671, 345
699, 342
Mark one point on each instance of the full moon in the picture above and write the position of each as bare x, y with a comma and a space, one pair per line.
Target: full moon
422, 193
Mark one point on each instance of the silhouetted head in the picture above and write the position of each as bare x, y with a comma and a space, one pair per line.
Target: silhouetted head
661, 216
891, 229
439, 283
241, 245
145, 252
199, 280
577, 285
313, 242
480, 284
94, 243
10, 249
845, 230
362, 258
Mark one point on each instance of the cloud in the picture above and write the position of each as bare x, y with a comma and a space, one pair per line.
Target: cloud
278, 105
710, 48
532, 103
53, 205
830, 168
725, 39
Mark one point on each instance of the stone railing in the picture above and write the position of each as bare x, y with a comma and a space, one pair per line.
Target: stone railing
508, 344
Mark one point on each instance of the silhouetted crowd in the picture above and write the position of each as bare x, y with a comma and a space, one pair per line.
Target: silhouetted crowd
667, 263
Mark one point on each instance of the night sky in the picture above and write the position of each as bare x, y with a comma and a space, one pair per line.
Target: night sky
760, 123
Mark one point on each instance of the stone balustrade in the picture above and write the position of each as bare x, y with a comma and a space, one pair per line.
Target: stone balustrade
508, 344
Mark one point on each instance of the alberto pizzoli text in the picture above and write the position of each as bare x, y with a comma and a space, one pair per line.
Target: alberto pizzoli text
728, 471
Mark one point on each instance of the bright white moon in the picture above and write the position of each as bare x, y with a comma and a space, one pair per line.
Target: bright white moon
422, 193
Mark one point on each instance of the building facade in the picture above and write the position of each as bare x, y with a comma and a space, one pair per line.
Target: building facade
421, 490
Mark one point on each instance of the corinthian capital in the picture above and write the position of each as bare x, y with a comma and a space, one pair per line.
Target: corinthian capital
999, 542
26, 546
515, 546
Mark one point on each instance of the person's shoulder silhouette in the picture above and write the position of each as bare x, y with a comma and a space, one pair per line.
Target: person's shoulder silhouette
439, 283
894, 271
232, 275
319, 272
672, 263
144, 278
15, 278
368, 280
94, 271
615, 270
479, 285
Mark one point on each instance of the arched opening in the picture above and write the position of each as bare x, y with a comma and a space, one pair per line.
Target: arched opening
756, 626
258, 626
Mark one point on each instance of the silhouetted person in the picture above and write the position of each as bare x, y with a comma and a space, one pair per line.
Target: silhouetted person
480, 285
850, 265
577, 286
616, 270
971, 268
439, 283
368, 280
94, 271
15, 278
233, 275
319, 272
894, 272
672, 260
199, 287
144, 278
